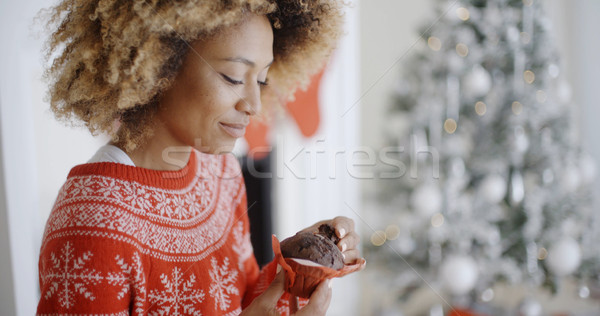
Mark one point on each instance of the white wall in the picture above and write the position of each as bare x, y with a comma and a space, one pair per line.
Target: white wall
574, 25
37, 153
18, 155
584, 53
388, 32
7, 297
389, 29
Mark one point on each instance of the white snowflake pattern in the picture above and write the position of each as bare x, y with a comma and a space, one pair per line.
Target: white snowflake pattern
82, 187
163, 204
192, 202
69, 276
136, 195
239, 246
130, 275
180, 207
107, 187
141, 198
223, 283
204, 193
144, 198
178, 295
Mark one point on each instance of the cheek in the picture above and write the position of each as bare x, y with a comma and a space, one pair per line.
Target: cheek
212, 109
206, 100
222, 100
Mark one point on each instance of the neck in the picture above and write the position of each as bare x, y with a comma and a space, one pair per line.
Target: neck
159, 153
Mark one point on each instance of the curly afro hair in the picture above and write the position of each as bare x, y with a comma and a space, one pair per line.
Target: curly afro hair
114, 58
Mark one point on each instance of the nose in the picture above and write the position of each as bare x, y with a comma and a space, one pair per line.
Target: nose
250, 101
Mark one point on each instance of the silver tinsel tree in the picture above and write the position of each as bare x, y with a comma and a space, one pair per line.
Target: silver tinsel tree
492, 185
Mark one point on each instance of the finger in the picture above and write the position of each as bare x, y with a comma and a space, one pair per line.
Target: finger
350, 256
268, 299
343, 225
349, 242
276, 287
363, 265
315, 227
319, 300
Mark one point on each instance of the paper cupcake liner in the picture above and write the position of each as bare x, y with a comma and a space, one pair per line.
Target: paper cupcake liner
302, 279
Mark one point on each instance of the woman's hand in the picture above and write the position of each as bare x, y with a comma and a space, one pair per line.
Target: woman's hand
349, 239
266, 303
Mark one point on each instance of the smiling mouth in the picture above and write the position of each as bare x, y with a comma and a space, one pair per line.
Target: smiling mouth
235, 130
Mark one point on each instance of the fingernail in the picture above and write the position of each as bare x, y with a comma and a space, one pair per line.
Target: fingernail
329, 283
344, 256
342, 232
343, 247
278, 268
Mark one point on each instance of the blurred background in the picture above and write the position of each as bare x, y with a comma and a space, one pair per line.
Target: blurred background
459, 135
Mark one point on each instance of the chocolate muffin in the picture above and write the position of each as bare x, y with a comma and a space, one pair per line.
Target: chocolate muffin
318, 247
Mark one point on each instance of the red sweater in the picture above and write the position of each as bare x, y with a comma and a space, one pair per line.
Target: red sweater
124, 240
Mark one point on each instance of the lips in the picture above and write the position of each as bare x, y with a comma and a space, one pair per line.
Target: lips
235, 130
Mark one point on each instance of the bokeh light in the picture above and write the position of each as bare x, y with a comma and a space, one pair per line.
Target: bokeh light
450, 126
480, 108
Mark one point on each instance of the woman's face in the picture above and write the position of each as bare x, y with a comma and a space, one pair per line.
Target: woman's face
218, 87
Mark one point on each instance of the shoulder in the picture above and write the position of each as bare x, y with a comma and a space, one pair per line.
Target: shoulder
91, 206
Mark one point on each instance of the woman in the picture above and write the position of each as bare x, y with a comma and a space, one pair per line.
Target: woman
155, 223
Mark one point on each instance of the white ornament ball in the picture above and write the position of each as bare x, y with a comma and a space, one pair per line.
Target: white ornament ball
584, 292
493, 188
530, 307
553, 70
587, 169
477, 82
512, 34
459, 274
521, 142
571, 179
564, 257
426, 199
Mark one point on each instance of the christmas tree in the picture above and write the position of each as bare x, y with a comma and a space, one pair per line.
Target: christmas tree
492, 185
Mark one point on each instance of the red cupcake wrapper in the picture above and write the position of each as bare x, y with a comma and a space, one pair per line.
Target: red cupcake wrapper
301, 280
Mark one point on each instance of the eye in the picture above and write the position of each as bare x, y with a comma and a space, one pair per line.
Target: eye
231, 80
263, 83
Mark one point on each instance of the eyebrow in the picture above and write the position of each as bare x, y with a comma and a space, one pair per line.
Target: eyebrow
244, 61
